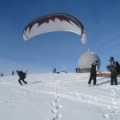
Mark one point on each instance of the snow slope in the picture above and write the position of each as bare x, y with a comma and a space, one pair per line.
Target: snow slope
59, 96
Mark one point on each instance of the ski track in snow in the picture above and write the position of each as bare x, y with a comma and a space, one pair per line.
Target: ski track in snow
95, 98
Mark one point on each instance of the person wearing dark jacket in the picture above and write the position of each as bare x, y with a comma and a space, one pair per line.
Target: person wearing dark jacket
113, 70
22, 76
93, 73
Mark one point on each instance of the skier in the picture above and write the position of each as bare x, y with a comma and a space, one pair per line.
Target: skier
113, 70
22, 76
93, 72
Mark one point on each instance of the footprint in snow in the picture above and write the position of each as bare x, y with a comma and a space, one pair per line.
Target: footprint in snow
54, 111
56, 99
53, 103
59, 106
56, 108
57, 117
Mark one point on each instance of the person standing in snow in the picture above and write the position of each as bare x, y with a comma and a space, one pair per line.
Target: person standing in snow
113, 69
76, 70
22, 76
12, 72
54, 70
93, 72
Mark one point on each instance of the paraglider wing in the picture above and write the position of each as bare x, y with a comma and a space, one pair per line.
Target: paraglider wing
52, 23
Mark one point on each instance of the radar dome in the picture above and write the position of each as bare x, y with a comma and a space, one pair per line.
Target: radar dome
86, 60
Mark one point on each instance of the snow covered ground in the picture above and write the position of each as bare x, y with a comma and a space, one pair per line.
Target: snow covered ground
59, 96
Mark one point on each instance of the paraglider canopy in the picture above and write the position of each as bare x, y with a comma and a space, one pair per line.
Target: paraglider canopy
52, 23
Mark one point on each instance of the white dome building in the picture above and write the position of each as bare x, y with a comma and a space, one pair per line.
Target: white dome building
86, 60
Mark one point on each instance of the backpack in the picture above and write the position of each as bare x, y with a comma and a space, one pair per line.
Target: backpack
22, 74
118, 67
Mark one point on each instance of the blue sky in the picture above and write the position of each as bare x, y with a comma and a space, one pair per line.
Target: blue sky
101, 19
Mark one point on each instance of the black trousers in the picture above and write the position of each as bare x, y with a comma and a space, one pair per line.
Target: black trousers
21, 80
114, 79
92, 77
